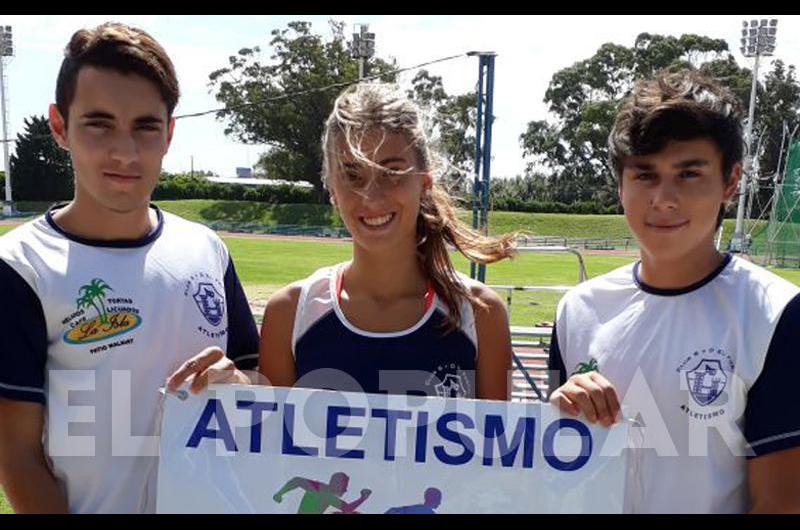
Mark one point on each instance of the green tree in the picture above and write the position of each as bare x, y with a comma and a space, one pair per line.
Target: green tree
40, 170
525, 188
570, 150
451, 128
276, 102
777, 116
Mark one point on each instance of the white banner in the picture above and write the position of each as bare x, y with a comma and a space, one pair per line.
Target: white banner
258, 449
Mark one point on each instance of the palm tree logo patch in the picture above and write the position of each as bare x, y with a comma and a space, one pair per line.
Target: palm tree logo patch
93, 294
98, 317
586, 367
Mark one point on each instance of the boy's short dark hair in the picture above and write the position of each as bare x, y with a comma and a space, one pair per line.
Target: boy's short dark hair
121, 48
682, 105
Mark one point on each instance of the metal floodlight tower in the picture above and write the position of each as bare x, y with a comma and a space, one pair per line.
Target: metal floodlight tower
362, 47
6, 51
758, 40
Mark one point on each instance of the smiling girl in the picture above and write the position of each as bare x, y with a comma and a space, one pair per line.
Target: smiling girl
397, 318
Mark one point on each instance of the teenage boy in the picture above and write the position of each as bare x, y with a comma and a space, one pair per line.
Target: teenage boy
701, 346
106, 297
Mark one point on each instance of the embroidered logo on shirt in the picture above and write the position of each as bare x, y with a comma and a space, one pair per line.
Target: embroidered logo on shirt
210, 302
706, 381
585, 368
449, 381
207, 293
99, 317
706, 376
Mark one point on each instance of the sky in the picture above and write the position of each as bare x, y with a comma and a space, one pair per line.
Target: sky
530, 49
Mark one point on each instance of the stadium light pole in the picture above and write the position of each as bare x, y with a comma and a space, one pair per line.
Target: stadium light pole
758, 39
362, 47
6, 51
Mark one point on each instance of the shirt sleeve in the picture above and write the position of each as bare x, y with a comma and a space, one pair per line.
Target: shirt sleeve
556, 372
772, 422
23, 339
242, 332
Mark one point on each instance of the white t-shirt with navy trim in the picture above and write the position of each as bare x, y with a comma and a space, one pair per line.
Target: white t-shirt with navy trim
708, 371
332, 353
92, 329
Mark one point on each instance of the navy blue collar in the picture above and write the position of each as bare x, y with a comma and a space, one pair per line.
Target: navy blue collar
113, 243
682, 290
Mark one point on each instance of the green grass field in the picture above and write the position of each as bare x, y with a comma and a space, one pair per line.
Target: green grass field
610, 226
267, 264
540, 224
253, 212
4, 506
264, 265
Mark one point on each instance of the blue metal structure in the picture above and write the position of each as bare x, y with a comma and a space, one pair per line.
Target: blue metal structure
483, 151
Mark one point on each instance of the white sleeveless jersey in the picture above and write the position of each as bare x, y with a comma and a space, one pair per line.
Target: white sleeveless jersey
330, 352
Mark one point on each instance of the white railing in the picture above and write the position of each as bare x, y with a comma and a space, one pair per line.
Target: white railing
531, 344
